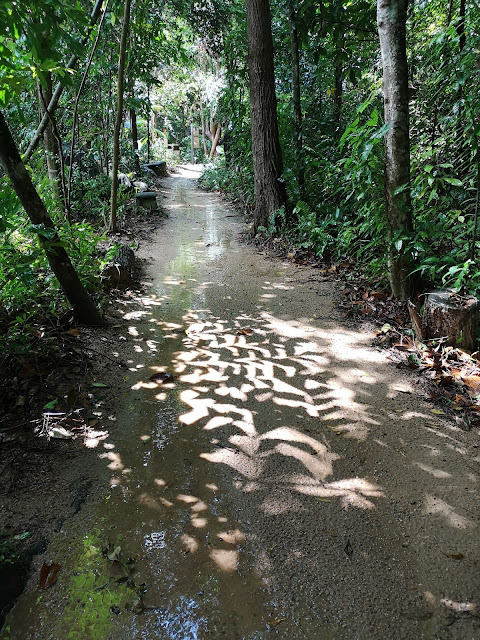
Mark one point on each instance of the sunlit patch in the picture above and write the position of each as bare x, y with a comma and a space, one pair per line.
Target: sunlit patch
233, 536
133, 331
459, 607
436, 473
237, 460
225, 560
148, 501
159, 482
437, 507
312, 384
188, 499
199, 506
263, 397
116, 461
216, 422
145, 438
190, 544
165, 502
144, 385
198, 523
160, 397
212, 487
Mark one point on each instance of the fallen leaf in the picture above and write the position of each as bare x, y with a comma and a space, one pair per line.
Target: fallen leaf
453, 556
99, 384
48, 574
348, 549
324, 499
246, 331
74, 332
277, 621
437, 412
60, 433
162, 377
113, 554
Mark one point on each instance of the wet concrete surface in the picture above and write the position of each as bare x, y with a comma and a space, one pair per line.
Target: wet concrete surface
286, 483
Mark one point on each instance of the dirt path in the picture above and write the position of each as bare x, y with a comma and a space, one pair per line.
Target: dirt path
286, 483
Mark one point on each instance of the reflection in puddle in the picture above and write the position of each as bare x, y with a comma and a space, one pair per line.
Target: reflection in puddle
155, 541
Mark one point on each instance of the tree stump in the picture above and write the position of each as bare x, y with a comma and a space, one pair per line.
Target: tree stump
449, 315
118, 273
159, 168
147, 200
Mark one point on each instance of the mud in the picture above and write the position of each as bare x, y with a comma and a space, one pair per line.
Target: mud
286, 482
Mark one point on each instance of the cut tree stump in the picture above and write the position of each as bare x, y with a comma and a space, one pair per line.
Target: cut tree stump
448, 315
118, 273
147, 200
159, 168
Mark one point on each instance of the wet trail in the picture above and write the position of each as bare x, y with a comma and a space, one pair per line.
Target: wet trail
282, 484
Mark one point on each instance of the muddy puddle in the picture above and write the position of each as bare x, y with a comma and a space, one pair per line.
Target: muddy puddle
164, 555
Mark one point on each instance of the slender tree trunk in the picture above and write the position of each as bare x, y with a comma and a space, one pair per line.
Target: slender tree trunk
134, 132
215, 140
49, 142
296, 98
119, 120
461, 26
391, 19
270, 192
339, 38
75, 109
148, 126
204, 138
59, 88
47, 235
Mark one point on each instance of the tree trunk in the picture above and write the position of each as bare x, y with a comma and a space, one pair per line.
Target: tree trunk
49, 142
296, 98
215, 140
339, 37
47, 235
391, 19
270, 192
59, 88
134, 132
119, 120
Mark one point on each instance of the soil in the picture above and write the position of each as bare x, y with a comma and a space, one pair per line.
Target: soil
250, 466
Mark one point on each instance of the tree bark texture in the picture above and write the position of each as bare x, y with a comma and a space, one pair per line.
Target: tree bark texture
391, 20
134, 131
56, 255
447, 315
49, 142
119, 119
296, 97
270, 192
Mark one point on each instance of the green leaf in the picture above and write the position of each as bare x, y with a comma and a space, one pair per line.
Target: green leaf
455, 181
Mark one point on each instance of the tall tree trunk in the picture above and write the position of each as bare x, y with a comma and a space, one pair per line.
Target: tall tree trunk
134, 132
270, 192
296, 98
391, 19
49, 240
59, 88
204, 137
215, 140
119, 120
49, 142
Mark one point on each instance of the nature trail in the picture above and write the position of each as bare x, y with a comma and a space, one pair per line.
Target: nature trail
270, 473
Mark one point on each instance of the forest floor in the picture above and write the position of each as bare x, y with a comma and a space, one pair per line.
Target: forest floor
247, 464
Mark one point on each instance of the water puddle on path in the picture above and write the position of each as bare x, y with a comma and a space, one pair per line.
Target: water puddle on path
165, 554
